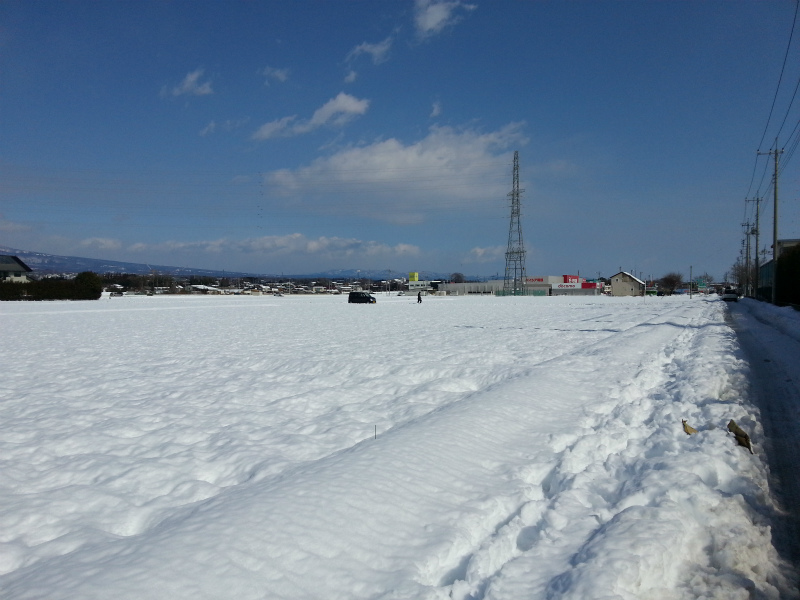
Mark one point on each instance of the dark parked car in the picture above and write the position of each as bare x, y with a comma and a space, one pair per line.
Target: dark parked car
361, 298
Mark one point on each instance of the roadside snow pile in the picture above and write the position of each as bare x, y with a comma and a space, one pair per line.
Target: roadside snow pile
525, 447
783, 318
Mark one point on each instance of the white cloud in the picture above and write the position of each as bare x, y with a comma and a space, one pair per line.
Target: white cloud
432, 16
208, 129
101, 243
273, 74
277, 128
11, 226
272, 247
350, 77
226, 125
436, 110
337, 111
449, 169
191, 86
406, 250
210, 246
379, 52
485, 255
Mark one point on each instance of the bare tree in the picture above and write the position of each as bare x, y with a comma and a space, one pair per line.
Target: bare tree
670, 282
457, 278
741, 274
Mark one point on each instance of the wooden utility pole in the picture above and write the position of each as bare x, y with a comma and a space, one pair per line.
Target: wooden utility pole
776, 153
755, 231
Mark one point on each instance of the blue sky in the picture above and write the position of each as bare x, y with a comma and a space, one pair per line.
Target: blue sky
296, 137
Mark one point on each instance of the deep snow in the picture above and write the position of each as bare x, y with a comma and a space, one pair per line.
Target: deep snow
226, 447
770, 339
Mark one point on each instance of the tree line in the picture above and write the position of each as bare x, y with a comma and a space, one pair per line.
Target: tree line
84, 286
89, 285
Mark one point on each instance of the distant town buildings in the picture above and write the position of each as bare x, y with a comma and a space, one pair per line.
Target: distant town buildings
545, 285
12, 269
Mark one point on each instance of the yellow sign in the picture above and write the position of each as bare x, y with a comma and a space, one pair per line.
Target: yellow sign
413, 276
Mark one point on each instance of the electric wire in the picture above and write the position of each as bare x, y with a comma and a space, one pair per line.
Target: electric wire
780, 78
789, 108
790, 147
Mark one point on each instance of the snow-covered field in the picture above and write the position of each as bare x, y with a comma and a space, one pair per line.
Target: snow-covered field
300, 447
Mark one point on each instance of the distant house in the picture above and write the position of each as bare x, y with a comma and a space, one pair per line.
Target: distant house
625, 284
13, 270
205, 289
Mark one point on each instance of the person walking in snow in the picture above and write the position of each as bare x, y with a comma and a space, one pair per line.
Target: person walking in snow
419, 297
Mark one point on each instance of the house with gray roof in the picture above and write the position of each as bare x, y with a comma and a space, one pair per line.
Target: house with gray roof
13, 270
625, 284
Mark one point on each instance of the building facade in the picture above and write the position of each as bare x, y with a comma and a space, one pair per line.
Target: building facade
13, 270
546, 285
766, 271
625, 284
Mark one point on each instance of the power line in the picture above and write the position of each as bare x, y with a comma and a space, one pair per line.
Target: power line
771, 111
794, 140
789, 108
780, 79
792, 143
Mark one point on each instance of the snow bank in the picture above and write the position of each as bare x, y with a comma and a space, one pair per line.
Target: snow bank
783, 318
526, 447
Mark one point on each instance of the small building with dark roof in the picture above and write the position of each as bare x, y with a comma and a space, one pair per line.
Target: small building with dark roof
13, 270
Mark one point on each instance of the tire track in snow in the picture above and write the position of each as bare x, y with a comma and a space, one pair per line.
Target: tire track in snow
588, 489
548, 488
463, 377
536, 528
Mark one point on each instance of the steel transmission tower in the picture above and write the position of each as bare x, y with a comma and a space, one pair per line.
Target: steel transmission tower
515, 254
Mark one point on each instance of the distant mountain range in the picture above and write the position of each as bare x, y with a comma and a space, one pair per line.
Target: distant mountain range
51, 263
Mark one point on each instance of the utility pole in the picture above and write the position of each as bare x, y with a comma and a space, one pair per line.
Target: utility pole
776, 153
747, 228
515, 254
755, 231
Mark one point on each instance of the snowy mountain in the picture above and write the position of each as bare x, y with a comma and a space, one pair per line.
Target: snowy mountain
52, 263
